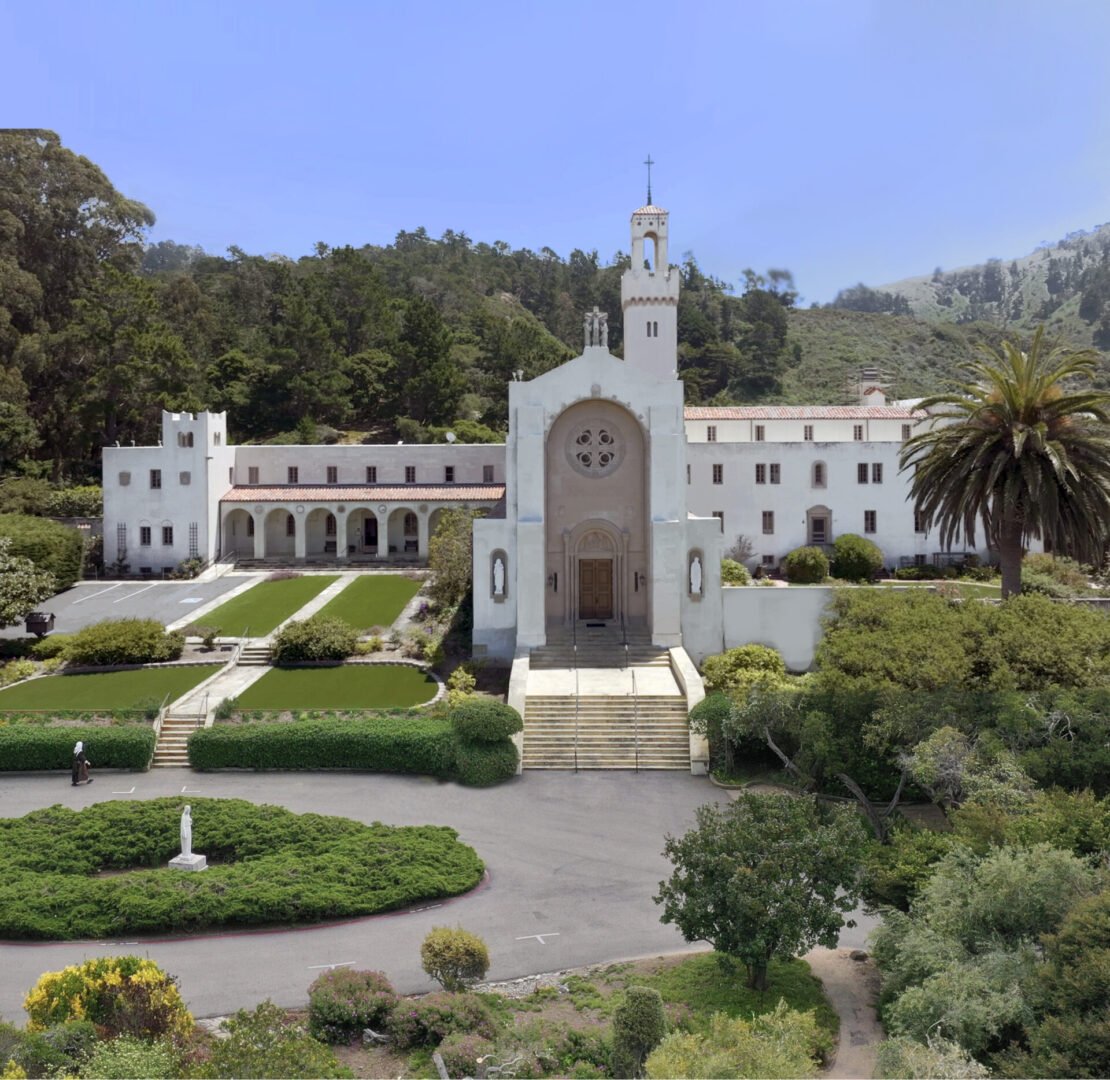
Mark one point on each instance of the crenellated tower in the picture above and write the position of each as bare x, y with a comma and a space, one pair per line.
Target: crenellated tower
649, 297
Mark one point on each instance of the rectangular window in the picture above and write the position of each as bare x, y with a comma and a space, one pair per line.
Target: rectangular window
487, 474
292, 474
919, 560
333, 474
760, 432
252, 474
329, 525
155, 478
861, 473
185, 479
167, 536
231, 474
371, 474
215, 438
768, 560
687, 472
919, 522
776, 473
718, 474
906, 430
290, 525
720, 516
857, 432
869, 517
807, 433
711, 433
818, 474
761, 474
448, 474
250, 526
410, 474
768, 522
144, 535
124, 479
876, 472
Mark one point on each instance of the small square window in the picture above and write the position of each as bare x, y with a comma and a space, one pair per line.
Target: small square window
410, 474
720, 516
768, 560
768, 522
711, 433
869, 517
155, 478
144, 535
761, 474
919, 560
333, 474
448, 474
760, 432
807, 433
371, 474
776, 473
487, 474
252, 474
292, 475
907, 429
718, 474
857, 432
876, 472
184, 479
167, 536
861, 473
124, 479
184, 438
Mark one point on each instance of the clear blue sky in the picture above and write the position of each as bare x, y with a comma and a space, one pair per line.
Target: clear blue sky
846, 141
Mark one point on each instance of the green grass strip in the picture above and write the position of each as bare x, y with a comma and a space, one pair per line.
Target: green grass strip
372, 600
266, 605
353, 686
104, 690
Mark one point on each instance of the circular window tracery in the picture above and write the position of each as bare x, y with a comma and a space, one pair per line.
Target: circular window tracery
594, 449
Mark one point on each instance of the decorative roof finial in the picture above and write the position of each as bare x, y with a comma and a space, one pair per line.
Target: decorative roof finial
649, 164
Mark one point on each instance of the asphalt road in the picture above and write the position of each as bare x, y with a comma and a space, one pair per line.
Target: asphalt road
573, 862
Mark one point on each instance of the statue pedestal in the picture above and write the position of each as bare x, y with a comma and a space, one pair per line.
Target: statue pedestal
188, 862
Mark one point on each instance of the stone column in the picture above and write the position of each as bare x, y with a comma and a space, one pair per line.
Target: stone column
341, 540
259, 534
300, 533
422, 531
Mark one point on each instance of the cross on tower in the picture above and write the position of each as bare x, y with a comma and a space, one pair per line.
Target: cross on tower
649, 164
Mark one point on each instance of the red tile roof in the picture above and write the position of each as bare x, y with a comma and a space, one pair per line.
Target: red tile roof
805, 412
331, 493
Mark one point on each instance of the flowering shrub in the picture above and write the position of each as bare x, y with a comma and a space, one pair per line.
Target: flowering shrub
119, 994
462, 1053
430, 1020
343, 1002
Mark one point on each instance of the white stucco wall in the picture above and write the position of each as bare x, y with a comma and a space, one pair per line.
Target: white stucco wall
787, 619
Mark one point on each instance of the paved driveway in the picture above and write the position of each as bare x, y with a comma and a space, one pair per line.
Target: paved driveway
90, 602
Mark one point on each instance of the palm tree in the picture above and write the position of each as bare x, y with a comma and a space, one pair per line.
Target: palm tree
1014, 448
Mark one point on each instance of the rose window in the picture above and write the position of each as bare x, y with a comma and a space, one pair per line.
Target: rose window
594, 450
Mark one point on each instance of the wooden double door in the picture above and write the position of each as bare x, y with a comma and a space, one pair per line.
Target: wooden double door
595, 588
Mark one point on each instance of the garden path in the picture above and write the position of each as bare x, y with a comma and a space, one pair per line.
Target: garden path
851, 987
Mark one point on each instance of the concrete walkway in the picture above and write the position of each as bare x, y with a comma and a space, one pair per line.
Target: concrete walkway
650, 680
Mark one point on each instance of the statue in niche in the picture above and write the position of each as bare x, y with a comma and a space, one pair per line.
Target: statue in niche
498, 577
695, 576
187, 831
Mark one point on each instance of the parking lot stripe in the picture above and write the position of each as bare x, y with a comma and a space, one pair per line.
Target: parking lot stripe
99, 593
131, 596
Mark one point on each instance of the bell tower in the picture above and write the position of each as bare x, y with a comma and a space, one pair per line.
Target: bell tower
649, 296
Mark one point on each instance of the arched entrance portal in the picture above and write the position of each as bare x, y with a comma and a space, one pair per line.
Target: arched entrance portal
596, 564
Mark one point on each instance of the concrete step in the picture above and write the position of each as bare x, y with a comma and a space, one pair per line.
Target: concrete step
255, 656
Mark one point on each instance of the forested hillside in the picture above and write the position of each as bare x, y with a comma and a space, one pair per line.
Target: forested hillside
100, 330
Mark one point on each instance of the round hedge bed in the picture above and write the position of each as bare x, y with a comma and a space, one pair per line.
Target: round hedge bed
98, 872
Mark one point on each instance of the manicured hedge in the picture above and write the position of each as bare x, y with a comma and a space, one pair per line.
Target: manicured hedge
485, 764
50, 546
266, 865
483, 720
27, 746
124, 641
382, 744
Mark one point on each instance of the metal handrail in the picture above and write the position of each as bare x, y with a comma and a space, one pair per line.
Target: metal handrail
239, 647
577, 699
161, 716
636, 720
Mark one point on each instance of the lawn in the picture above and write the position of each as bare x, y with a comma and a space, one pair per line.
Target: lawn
353, 686
267, 605
968, 590
104, 690
372, 600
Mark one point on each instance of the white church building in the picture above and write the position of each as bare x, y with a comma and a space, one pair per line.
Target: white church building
609, 503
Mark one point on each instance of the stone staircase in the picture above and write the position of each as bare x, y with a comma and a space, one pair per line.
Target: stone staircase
598, 647
254, 656
607, 732
171, 750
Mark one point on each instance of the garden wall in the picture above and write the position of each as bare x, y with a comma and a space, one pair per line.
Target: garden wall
787, 619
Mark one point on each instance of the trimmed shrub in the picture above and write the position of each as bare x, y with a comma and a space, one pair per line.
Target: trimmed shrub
314, 639
927, 572
31, 746
55, 548
855, 558
806, 566
207, 634
124, 641
15, 671
485, 764
707, 715
483, 720
454, 958
342, 1002
120, 994
51, 646
741, 668
638, 1026
431, 1019
86, 500
126, 1056
418, 744
734, 573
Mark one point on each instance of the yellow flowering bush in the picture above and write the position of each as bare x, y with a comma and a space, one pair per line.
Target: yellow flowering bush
119, 994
